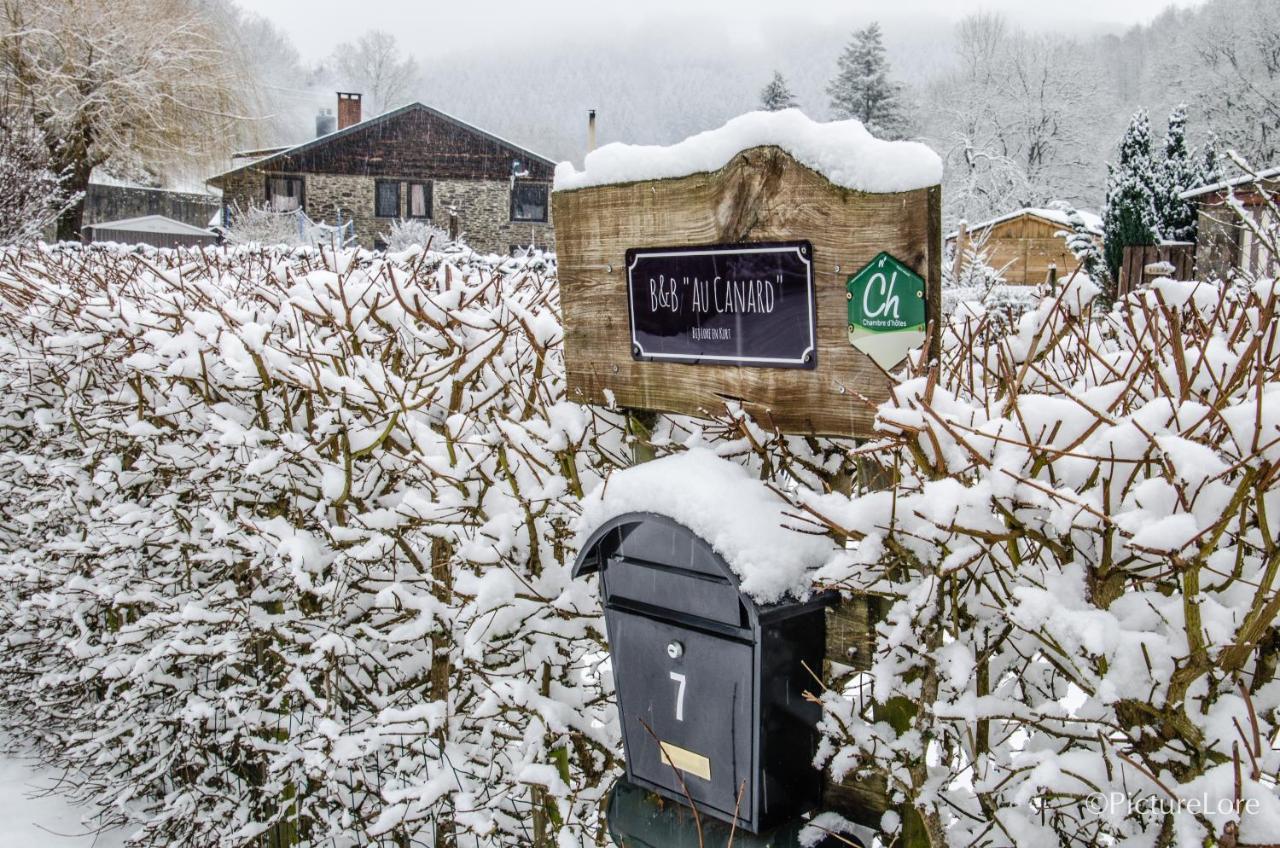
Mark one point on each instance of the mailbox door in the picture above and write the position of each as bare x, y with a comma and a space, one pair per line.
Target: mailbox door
697, 703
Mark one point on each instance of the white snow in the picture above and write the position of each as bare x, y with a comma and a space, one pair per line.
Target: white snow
30, 816
1092, 220
842, 151
743, 520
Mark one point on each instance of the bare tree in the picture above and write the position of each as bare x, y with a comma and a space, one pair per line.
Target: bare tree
119, 83
374, 66
33, 195
1014, 119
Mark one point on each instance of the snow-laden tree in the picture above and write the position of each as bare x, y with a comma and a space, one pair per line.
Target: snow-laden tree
862, 88
777, 95
1176, 172
33, 195
1015, 118
375, 66
126, 84
1129, 216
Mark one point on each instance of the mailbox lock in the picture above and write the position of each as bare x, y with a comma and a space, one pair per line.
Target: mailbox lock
675, 650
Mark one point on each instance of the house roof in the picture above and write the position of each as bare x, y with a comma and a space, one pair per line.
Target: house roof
150, 224
1267, 174
365, 124
1092, 222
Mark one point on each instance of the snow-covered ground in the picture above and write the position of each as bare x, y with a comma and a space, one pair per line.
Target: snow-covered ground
32, 817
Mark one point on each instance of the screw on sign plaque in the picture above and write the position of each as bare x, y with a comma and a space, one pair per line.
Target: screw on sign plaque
886, 310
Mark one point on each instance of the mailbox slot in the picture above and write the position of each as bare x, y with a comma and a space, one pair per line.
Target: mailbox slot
663, 587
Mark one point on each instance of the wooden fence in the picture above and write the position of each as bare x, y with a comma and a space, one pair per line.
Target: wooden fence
1137, 257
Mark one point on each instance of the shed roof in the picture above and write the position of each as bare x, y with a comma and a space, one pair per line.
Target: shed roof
1092, 221
1269, 173
270, 157
150, 224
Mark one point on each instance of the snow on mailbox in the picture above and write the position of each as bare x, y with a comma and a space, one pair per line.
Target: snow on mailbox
710, 628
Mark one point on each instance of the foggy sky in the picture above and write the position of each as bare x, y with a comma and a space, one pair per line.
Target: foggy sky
433, 27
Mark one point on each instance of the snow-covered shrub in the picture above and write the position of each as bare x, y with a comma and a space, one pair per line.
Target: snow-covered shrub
413, 232
261, 225
285, 541
1081, 563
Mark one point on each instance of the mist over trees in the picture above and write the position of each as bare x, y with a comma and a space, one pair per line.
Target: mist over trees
1020, 117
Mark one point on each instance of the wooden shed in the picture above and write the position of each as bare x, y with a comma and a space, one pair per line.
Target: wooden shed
1225, 246
1022, 244
154, 230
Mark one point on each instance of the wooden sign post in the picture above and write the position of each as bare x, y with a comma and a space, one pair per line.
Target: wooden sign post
764, 282
682, 293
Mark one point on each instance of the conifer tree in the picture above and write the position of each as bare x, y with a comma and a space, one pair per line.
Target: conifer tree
862, 88
1175, 174
777, 96
1210, 161
1129, 216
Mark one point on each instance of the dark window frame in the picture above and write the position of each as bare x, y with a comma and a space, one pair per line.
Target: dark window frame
377, 197
293, 178
546, 206
431, 200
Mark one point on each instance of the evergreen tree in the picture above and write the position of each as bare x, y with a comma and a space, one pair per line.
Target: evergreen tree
1129, 216
1176, 173
862, 88
1210, 164
1083, 244
777, 96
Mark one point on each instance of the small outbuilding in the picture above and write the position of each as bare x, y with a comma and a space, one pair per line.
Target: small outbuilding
153, 230
1023, 244
1226, 246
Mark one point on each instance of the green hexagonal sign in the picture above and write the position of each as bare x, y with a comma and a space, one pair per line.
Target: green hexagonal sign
886, 310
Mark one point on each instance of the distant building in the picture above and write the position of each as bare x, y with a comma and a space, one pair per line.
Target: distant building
1225, 245
111, 202
412, 162
155, 230
1024, 243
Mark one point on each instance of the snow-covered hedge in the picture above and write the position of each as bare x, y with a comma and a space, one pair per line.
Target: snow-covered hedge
285, 541
285, 545
1081, 561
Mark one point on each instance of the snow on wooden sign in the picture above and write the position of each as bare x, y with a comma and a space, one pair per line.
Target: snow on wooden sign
643, 231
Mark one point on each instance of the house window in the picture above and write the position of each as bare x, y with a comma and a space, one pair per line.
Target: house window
284, 194
419, 200
386, 199
528, 201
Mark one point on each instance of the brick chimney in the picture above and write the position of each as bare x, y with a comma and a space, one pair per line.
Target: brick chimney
348, 109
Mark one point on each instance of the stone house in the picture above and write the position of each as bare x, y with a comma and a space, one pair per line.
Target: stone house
411, 162
1225, 246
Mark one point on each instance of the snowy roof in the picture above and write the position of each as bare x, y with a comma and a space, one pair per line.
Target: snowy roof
1092, 221
366, 123
150, 224
842, 151
1267, 174
739, 516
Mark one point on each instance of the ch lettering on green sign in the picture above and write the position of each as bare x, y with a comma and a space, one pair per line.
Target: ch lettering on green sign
886, 310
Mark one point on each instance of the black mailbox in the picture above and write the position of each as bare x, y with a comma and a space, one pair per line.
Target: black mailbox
710, 684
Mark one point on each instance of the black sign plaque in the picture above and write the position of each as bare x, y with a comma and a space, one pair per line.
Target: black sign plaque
723, 304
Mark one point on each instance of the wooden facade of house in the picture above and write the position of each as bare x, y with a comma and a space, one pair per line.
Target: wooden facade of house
1022, 245
1226, 246
413, 162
